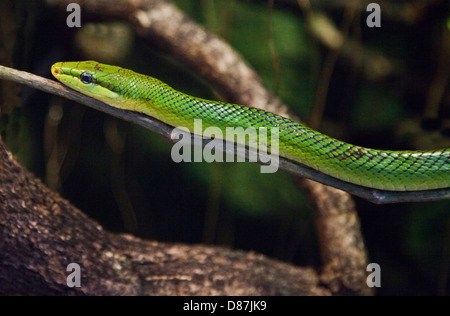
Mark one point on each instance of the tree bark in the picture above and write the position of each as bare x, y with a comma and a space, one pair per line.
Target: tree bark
42, 233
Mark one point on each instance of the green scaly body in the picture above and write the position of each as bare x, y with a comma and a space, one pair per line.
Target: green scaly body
383, 170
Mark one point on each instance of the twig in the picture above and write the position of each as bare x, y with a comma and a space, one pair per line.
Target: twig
328, 67
173, 135
408, 12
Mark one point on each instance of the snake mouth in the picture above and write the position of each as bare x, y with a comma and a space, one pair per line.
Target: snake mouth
56, 69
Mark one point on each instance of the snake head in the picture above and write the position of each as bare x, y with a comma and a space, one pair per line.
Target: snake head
90, 78
116, 86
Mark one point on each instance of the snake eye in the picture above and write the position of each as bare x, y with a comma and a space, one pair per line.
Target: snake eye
86, 77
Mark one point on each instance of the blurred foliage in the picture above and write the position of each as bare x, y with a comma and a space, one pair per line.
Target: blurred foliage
110, 42
124, 177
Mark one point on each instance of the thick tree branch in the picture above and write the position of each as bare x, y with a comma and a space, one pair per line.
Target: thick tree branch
41, 233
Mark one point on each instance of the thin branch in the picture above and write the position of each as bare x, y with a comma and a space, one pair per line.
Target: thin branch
328, 65
407, 12
441, 79
173, 135
373, 65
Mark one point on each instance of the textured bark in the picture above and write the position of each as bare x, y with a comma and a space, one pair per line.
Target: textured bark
343, 251
41, 233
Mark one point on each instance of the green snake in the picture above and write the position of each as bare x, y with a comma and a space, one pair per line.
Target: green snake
384, 170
